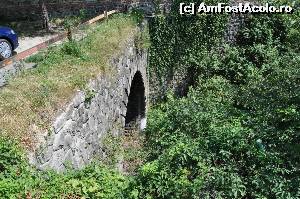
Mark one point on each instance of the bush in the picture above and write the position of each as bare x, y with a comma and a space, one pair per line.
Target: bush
72, 48
94, 181
235, 135
10, 155
204, 146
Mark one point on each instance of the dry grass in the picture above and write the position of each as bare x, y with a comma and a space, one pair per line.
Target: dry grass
134, 154
29, 103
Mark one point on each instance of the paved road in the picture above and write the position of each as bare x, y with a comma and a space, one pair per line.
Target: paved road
29, 42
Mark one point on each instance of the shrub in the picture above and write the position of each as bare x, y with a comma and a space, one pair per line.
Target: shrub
10, 155
204, 146
72, 48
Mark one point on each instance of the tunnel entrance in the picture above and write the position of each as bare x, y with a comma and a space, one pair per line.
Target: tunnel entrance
136, 106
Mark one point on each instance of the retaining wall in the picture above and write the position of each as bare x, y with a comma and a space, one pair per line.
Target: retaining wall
12, 11
31, 10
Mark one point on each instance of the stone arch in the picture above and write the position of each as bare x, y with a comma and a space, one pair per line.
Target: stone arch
136, 106
116, 100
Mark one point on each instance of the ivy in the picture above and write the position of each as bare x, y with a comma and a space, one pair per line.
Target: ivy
176, 38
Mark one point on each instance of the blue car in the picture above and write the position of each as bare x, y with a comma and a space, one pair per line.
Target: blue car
8, 42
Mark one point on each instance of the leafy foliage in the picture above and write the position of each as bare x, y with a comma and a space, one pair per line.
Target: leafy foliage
94, 181
72, 48
10, 154
213, 144
177, 39
236, 133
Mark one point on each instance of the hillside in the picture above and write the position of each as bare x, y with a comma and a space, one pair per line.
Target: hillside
29, 103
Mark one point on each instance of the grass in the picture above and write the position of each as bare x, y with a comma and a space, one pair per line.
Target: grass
31, 100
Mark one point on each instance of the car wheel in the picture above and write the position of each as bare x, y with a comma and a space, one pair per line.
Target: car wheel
5, 49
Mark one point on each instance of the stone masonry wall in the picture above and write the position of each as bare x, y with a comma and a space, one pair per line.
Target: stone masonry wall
31, 10
12, 11
76, 134
235, 23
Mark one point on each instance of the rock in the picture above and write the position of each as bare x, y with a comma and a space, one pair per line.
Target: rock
75, 115
61, 168
48, 154
59, 122
77, 160
81, 110
92, 124
68, 127
86, 155
79, 99
45, 166
58, 159
68, 157
78, 144
58, 141
68, 140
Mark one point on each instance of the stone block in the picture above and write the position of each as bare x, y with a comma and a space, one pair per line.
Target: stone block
45, 166
59, 122
75, 115
79, 99
77, 160
58, 141
58, 159
68, 157
69, 127
68, 140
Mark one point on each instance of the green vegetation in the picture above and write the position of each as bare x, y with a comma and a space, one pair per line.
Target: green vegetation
98, 180
94, 181
235, 134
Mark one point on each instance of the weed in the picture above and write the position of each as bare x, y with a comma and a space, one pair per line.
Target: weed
89, 95
112, 149
10, 155
72, 48
39, 57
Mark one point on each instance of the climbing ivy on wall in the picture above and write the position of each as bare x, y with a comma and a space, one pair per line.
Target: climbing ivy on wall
177, 40
196, 42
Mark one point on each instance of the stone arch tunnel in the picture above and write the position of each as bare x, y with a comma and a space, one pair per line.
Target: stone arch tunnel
112, 101
136, 106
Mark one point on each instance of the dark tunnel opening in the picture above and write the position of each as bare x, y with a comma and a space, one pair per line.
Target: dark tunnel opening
136, 106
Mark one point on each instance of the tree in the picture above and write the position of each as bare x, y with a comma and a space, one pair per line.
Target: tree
45, 16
